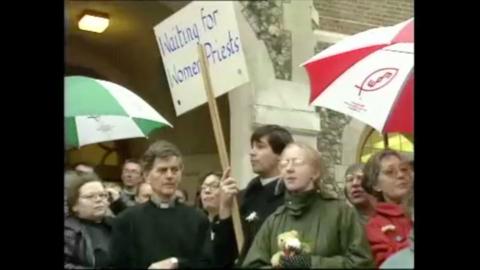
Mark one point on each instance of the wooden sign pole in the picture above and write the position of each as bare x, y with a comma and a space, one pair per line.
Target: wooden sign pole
219, 138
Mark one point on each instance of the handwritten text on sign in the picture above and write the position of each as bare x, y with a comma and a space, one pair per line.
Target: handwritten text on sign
212, 24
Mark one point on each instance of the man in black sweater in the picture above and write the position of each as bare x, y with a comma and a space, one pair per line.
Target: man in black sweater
162, 233
260, 198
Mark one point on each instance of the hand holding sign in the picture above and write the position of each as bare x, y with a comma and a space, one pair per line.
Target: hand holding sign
228, 191
222, 150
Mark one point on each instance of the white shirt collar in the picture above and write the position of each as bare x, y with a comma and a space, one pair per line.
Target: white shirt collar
160, 204
266, 181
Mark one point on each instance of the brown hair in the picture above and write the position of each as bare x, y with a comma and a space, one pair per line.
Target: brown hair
372, 171
314, 158
75, 182
159, 149
204, 176
131, 160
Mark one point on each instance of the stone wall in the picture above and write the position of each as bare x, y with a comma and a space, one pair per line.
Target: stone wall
266, 20
330, 145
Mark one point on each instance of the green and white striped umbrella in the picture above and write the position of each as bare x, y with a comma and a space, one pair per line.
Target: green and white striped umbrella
99, 111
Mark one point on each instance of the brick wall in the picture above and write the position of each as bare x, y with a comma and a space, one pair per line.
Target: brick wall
353, 16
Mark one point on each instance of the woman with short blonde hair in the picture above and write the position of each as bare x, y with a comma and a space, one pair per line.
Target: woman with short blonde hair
327, 230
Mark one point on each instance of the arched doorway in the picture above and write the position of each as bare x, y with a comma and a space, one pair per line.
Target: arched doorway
376, 141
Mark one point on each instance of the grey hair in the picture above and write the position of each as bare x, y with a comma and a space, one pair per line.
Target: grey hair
353, 168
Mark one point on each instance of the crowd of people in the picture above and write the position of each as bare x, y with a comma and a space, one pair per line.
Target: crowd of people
287, 222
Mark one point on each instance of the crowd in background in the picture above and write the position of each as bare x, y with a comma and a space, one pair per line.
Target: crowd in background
287, 222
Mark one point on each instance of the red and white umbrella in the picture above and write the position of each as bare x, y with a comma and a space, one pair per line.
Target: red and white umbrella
368, 76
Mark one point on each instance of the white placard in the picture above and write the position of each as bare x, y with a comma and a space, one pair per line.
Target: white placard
212, 24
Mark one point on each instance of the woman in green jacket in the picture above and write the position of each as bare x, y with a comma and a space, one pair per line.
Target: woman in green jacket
330, 233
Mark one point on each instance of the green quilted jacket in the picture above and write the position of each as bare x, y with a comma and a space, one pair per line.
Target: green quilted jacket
331, 229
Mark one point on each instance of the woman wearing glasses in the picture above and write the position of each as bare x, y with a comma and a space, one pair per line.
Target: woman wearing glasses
209, 195
389, 177
329, 232
87, 229
209, 202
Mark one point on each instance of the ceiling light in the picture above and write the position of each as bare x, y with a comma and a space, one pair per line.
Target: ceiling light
94, 21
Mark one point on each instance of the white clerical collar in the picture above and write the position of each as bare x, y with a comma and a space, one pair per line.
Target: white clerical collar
266, 181
160, 204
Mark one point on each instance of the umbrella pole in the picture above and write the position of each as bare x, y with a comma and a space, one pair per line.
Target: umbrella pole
219, 138
385, 140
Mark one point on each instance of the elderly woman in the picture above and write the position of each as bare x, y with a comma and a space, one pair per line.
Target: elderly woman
363, 202
388, 177
329, 232
87, 230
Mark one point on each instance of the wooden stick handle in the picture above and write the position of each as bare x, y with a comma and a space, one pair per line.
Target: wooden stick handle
220, 139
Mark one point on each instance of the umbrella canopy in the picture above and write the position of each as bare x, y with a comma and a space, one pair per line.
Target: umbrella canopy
368, 76
98, 111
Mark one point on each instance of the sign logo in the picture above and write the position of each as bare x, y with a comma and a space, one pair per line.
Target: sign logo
377, 80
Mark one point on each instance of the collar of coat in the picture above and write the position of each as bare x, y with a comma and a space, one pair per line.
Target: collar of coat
389, 209
128, 192
297, 204
76, 225
255, 183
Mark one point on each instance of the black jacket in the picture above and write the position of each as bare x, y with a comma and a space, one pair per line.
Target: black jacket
257, 199
78, 246
124, 201
146, 233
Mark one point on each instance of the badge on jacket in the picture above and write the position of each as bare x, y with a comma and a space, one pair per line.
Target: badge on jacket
252, 217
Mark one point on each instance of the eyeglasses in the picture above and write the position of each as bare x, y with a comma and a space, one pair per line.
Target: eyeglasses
393, 171
295, 162
212, 186
94, 196
351, 177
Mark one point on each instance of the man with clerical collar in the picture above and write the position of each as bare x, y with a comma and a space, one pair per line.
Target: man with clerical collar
161, 233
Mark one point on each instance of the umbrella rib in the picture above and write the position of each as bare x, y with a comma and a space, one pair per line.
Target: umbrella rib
397, 51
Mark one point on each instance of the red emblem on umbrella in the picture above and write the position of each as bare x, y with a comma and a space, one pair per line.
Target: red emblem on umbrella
377, 80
